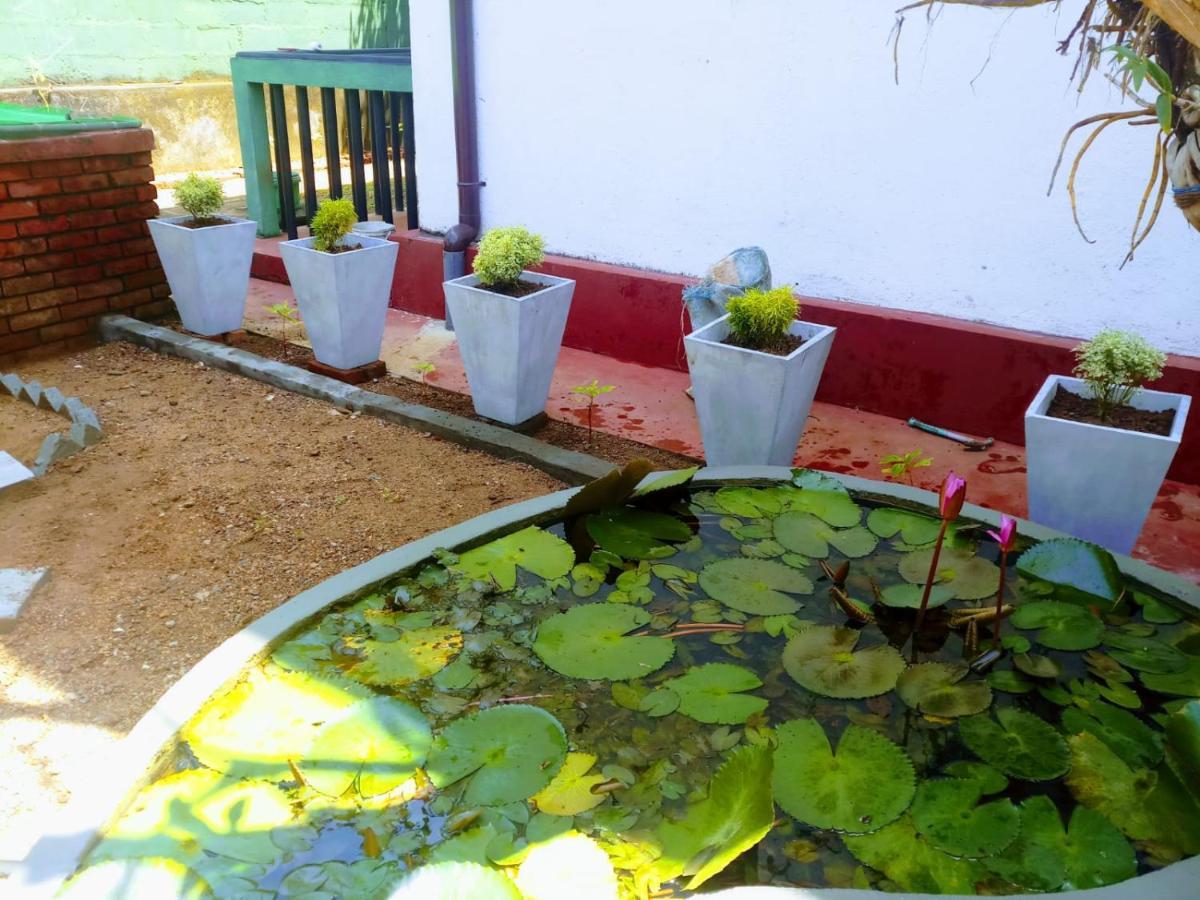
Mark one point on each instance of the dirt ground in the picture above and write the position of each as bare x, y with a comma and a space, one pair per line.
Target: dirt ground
211, 500
23, 427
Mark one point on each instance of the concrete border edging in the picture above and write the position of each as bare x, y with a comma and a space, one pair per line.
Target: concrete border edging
85, 424
568, 465
58, 852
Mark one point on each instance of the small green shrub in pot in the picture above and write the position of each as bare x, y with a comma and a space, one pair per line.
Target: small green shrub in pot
201, 196
1115, 364
333, 221
760, 320
504, 253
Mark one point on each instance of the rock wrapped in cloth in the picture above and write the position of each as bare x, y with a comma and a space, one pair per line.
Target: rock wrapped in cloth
742, 270
1183, 158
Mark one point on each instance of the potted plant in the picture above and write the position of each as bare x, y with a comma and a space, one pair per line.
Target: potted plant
1098, 445
206, 256
342, 286
754, 373
509, 324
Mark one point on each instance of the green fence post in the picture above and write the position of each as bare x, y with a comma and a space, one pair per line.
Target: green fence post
256, 152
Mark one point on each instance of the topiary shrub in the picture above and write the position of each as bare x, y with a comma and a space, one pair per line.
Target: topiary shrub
504, 253
200, 196
760, 320
1115, 364
333, 221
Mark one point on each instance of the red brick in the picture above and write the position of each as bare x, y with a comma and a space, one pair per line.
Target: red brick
116, 197
35, 319
11, 343
83, 308
99, 254
161, 290
14, 172
147, 210
145, 279
10, 248
17, 209
79, 146
3, 191
44, 225
93, 219
49, 262
141, 245
65, 330
27, 284
79, 183
72, 240
138, 175
10, 268
12, 306
7, 231
35, 187
125, 265
140, 159
78, 275
153, 310
56, 297
65, 203
147, 192
100, 288
127, 231
105, 163
129, 298
55, 167
4, 329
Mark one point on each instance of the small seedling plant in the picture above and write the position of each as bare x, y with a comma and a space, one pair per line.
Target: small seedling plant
333, 221
423, 370
592, 391
1115, 364
290, 316
504, 253
761, 320
201, 196
902, 465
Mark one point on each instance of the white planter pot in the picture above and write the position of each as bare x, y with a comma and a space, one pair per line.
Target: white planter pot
752, 406
509, 345
343, 297
1092, 481
208, 269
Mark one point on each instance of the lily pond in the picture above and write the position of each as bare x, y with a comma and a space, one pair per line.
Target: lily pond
680, 689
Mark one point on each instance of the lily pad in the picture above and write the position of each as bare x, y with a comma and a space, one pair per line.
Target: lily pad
531, 549
1074, 564
914, 529
759, 587
751, 502
912, 863
824, 660
712, 693
816, 480
1101, 781
947, 812
509, 753
335, 878
1145, 653
1155, 611
149, 878
804, 533
990, 779
661, 481
1009, 682
1089, 853
1177, 684
908, 596
380, 742
1183, 746
868, 784
834, 507
1126, 735
736, 815
938, 689
456, 881
637, 533
1060, 626
971, 576
413, 655
1020, 744
592, 641
570, 791
1036, 666
569, 859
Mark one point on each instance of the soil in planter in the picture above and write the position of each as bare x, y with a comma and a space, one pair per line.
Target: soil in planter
205, 222
784, 346
1069, 405
520, 289
341, 248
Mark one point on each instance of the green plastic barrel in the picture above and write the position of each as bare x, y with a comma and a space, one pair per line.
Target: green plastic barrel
18, 123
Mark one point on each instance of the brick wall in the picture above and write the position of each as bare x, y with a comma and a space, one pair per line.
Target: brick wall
73, 238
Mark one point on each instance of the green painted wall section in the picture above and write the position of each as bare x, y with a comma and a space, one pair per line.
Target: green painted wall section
80, 41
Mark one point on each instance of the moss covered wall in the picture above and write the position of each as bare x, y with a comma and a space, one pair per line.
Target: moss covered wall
83, 41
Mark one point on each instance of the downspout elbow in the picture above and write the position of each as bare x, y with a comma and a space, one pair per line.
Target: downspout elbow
459, 238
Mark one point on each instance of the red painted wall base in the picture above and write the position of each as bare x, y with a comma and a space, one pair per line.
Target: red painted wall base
962, 375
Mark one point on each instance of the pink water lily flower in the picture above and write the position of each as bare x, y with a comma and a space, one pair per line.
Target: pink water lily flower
1006, 537
951, 497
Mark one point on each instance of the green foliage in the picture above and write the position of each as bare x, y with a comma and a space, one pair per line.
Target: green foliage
283, 311
424, 369
333, 221
1140, 70
901, 465
593, 390
592, 641
823, 659
504, 253
1115, 364
200, 196
760, 319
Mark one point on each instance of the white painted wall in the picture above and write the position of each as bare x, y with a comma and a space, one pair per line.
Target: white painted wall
663, 134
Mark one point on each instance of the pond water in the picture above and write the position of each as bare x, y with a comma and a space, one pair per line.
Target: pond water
664, 696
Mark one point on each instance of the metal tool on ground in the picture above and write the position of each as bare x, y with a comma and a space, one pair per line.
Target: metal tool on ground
969, 442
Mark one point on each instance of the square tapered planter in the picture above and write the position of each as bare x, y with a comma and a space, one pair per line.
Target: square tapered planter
509, 345
1093, 481
208, 270
752, 406
343, 297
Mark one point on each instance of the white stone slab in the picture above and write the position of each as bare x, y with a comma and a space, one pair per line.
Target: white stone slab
12, 471
17, 586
